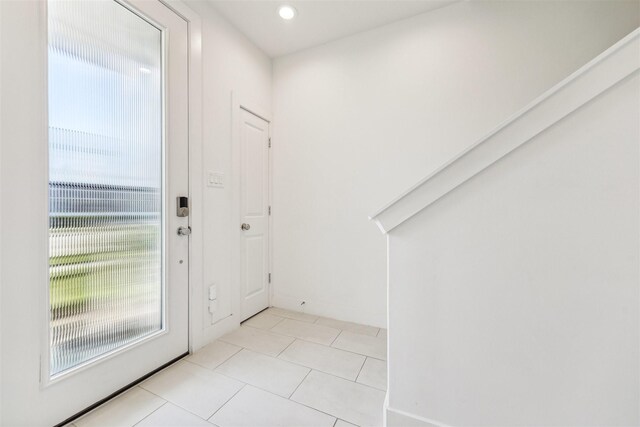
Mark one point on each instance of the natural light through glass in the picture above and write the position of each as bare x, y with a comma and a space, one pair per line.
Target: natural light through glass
105, 180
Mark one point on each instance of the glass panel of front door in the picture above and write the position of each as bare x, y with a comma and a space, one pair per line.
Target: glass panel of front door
105, 180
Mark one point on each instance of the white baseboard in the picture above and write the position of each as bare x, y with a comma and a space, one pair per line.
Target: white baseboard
215, 331
396, 418
333, 310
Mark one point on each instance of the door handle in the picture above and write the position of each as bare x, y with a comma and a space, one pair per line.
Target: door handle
245, 227
184, 231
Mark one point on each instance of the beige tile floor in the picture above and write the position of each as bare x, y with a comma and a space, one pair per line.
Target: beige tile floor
280, 368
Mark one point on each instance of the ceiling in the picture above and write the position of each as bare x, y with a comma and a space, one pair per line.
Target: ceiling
317, 21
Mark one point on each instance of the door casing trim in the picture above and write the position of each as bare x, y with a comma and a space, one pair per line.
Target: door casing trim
196, 175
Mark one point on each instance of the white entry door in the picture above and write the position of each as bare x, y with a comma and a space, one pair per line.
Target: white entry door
254, 213
118, 163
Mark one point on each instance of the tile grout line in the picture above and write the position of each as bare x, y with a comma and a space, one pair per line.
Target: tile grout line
264, 354
276, 395
351, 381
318, 370
225, 360
279, 321
151, 413
305, 323
336, 338
301, 339
297, 364
298, 386
360, 371
360, 354
175, 403
293, 363
156, 395
256, 329
314, 324
293, 318
182, 407
225, 403
356, 330
264, 329
271, 393
284, 349
244, 384
318, 319
316, 409
324, 372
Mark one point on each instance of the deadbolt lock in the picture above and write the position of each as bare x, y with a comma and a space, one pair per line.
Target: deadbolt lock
182, 204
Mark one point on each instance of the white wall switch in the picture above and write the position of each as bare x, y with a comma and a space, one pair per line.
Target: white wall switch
213, 292
215, 179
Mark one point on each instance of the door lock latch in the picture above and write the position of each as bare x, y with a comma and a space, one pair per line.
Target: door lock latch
182, 206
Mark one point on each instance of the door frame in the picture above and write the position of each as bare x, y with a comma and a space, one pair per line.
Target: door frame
240, 102
28, 122
46, 380
196, 168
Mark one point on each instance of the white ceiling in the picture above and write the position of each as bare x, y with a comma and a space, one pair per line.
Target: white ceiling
317, 22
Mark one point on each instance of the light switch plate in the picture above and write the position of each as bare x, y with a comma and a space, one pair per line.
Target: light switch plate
215, 179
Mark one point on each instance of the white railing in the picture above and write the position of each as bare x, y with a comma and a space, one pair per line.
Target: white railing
606, 70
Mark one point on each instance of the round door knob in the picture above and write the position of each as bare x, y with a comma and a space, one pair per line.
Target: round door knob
245, 227
184, 231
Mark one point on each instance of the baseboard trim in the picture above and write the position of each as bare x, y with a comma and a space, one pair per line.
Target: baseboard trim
321, 308
219, 328
397, 418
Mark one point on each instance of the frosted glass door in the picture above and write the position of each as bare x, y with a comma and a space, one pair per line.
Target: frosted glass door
105, 180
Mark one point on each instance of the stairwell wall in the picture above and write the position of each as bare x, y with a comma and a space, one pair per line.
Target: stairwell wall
514, 299
359, 120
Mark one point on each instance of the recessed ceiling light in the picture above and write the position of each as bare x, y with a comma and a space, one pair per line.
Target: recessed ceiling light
286, 12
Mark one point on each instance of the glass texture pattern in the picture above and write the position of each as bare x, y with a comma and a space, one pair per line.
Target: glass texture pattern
105, 180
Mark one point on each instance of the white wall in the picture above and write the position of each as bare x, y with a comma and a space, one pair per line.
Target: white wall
230, 63
359, 120
514, 299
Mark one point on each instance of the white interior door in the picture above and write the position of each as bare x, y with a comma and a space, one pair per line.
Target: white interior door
117, 305
254, 213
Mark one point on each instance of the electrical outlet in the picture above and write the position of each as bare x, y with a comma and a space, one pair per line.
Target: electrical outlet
213, 306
